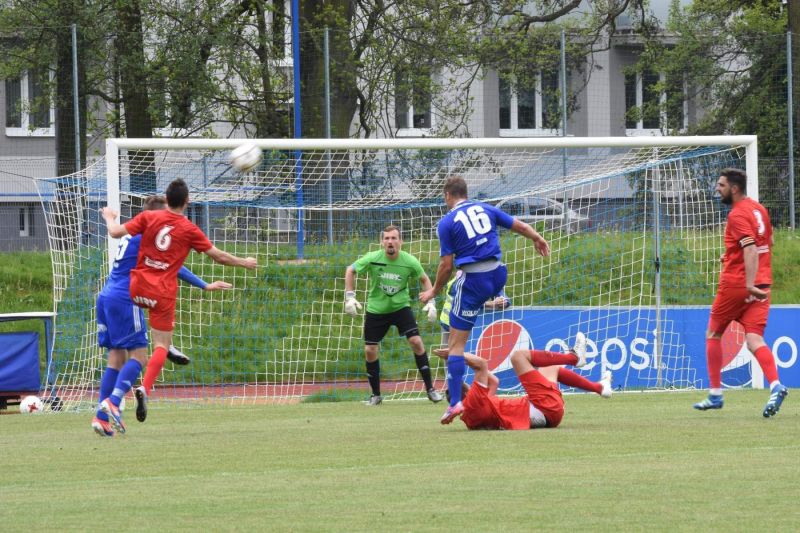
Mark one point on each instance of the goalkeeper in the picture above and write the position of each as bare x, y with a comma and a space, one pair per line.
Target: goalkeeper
388, 304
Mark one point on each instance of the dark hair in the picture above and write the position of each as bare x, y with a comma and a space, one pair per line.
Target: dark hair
736, 177
177, 193
456, 186
389, 228
154, 203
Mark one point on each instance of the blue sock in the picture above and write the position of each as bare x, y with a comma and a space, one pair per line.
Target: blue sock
455, 376
127, 377
106, 388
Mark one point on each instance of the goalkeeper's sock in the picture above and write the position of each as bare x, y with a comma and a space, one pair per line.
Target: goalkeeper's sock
154, 366
125, 380
107, 383
767, 363
374, 376
423, 365
455, 377
543, 358
714, 362
572, 379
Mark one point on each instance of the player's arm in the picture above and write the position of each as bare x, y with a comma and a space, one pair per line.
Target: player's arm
115, 229
526, 230
351, 305
224, 258
442, 277
750, 270
191, 278
430, 307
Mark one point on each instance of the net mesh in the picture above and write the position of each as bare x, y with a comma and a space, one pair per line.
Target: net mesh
611, 215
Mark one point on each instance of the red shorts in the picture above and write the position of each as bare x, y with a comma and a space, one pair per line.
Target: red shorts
161, 310
544, 395
731, 304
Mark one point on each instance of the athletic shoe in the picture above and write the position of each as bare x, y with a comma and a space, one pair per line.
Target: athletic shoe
141, 403
374, 400
713, 401
114, 414
177, 357
579, 349
775, 400
102, 427
434, 395
452, 412
605, 381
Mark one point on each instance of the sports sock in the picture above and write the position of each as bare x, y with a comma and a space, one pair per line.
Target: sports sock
774, 384
714, 362
423, 365
767, 363
374, 376
125, 380
572, 379
455, 377
154, 366
543, 358
107, 383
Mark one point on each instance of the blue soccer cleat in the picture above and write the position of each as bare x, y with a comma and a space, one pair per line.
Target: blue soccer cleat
114, 414
714, 401
102, 427
775, 400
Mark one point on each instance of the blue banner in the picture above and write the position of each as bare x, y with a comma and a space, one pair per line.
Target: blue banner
642, 348
19, 361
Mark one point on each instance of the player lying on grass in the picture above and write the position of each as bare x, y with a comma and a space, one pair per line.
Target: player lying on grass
167, 238
539, 373
121, 325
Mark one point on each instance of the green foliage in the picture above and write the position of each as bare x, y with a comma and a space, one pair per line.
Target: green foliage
314, 467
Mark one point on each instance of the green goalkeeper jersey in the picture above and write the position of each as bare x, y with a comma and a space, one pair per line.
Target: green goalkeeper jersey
388, 280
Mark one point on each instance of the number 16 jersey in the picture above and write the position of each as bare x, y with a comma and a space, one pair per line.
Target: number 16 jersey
469, 231
167, 238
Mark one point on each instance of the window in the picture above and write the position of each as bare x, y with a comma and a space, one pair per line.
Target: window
648, 110
413, 102
29, 110
26, 221
530, 110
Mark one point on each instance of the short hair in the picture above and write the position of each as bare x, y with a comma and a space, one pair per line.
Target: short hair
736, 177
389, 228
177, 193
154, 203
456, 186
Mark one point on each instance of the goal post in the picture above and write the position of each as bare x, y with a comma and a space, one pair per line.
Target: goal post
634, 229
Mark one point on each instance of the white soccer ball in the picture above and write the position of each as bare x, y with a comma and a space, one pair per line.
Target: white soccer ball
31, 405
245, 157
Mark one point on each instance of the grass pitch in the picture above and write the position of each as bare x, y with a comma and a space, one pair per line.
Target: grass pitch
636, 462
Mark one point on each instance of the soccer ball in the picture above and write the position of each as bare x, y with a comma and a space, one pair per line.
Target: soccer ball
245, 157
31, 405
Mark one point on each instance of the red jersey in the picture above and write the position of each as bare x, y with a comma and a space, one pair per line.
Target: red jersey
748, 225
483, 410
167, 238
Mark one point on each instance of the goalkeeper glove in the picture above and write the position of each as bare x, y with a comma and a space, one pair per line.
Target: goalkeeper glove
351, 305
430, 308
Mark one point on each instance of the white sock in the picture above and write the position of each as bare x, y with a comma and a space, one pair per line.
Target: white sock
774, 384
715, 392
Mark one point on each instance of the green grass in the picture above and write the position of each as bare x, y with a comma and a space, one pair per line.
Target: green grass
636, 462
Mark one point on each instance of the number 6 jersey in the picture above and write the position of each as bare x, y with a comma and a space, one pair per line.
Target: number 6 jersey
167, 238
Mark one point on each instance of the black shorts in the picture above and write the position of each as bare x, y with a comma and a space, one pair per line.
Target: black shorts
376, 326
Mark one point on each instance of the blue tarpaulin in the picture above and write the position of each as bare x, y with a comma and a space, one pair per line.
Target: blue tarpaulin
19, 361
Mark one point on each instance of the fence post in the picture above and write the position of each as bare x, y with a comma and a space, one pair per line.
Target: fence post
790, 116
74, 31
327, 58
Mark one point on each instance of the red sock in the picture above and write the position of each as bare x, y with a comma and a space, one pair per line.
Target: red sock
154, 366
571, 379
767, 363
543, 358
714, 362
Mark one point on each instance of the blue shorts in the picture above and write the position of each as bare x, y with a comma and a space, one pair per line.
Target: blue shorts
470, 291
120, 324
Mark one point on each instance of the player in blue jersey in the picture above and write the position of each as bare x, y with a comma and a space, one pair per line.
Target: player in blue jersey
121, 327
469, 241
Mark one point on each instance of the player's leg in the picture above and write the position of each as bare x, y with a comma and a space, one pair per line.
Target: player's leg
162, 320
375, 328
723, 311
754, 321
127, 377
116, 359
572, 379
542, 358
407, 325
541, 387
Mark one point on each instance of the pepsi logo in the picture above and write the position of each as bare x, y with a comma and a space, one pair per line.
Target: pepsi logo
735, 357
499, 340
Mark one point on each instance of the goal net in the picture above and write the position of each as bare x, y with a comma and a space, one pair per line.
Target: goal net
633, 226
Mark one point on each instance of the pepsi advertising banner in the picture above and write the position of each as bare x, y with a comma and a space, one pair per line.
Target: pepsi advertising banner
642, 348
